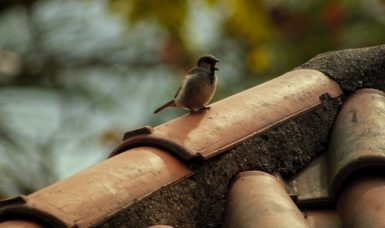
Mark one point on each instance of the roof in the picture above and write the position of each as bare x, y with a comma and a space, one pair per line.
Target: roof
303, 150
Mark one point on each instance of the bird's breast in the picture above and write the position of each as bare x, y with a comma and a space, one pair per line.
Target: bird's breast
197, 91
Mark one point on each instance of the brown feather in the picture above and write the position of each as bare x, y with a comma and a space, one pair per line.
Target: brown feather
168, 104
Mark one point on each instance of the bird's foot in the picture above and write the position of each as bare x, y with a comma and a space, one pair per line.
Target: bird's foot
200, 110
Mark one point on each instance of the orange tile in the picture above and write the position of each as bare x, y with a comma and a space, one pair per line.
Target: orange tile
258, 199
361, 203
19, 224
357, 139
247, 113
323, 219
356, 144
109, 186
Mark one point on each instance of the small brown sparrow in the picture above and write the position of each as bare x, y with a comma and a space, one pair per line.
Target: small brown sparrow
198, 88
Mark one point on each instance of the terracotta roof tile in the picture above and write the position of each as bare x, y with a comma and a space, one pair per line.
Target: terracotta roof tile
300, 109
323, 218
200, 199
103, 189
248, 113
277, 127
257, 199
362, 202
358, 137
19, 224
356, 143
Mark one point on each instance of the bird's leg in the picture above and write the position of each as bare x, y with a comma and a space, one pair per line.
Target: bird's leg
194, 111
205, 108
200, 110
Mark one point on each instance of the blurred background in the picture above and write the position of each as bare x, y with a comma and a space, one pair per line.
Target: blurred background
74, 75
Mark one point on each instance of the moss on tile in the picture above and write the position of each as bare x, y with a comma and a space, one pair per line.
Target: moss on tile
199, 201
352, 68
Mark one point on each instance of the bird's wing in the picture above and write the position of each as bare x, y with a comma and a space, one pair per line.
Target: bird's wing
192, 71
177, 92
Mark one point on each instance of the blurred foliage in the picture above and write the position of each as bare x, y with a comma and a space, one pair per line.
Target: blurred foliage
75, 74
274, 35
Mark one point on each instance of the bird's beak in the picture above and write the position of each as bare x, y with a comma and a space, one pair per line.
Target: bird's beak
216, 68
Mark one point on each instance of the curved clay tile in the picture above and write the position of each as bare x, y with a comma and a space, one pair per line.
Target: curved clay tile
358, 137
361, 203
350, 174
19, 224
356, 145
247, 113
101, 191
258, 199
323, 218
93, 194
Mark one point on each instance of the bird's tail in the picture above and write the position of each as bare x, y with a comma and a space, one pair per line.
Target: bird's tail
168, 104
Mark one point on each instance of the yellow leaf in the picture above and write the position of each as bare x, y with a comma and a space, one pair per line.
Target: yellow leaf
249, 20
258, 59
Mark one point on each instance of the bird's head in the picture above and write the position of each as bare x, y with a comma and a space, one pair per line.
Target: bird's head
207, 60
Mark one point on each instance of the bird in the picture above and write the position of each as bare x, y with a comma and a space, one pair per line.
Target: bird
198, 87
